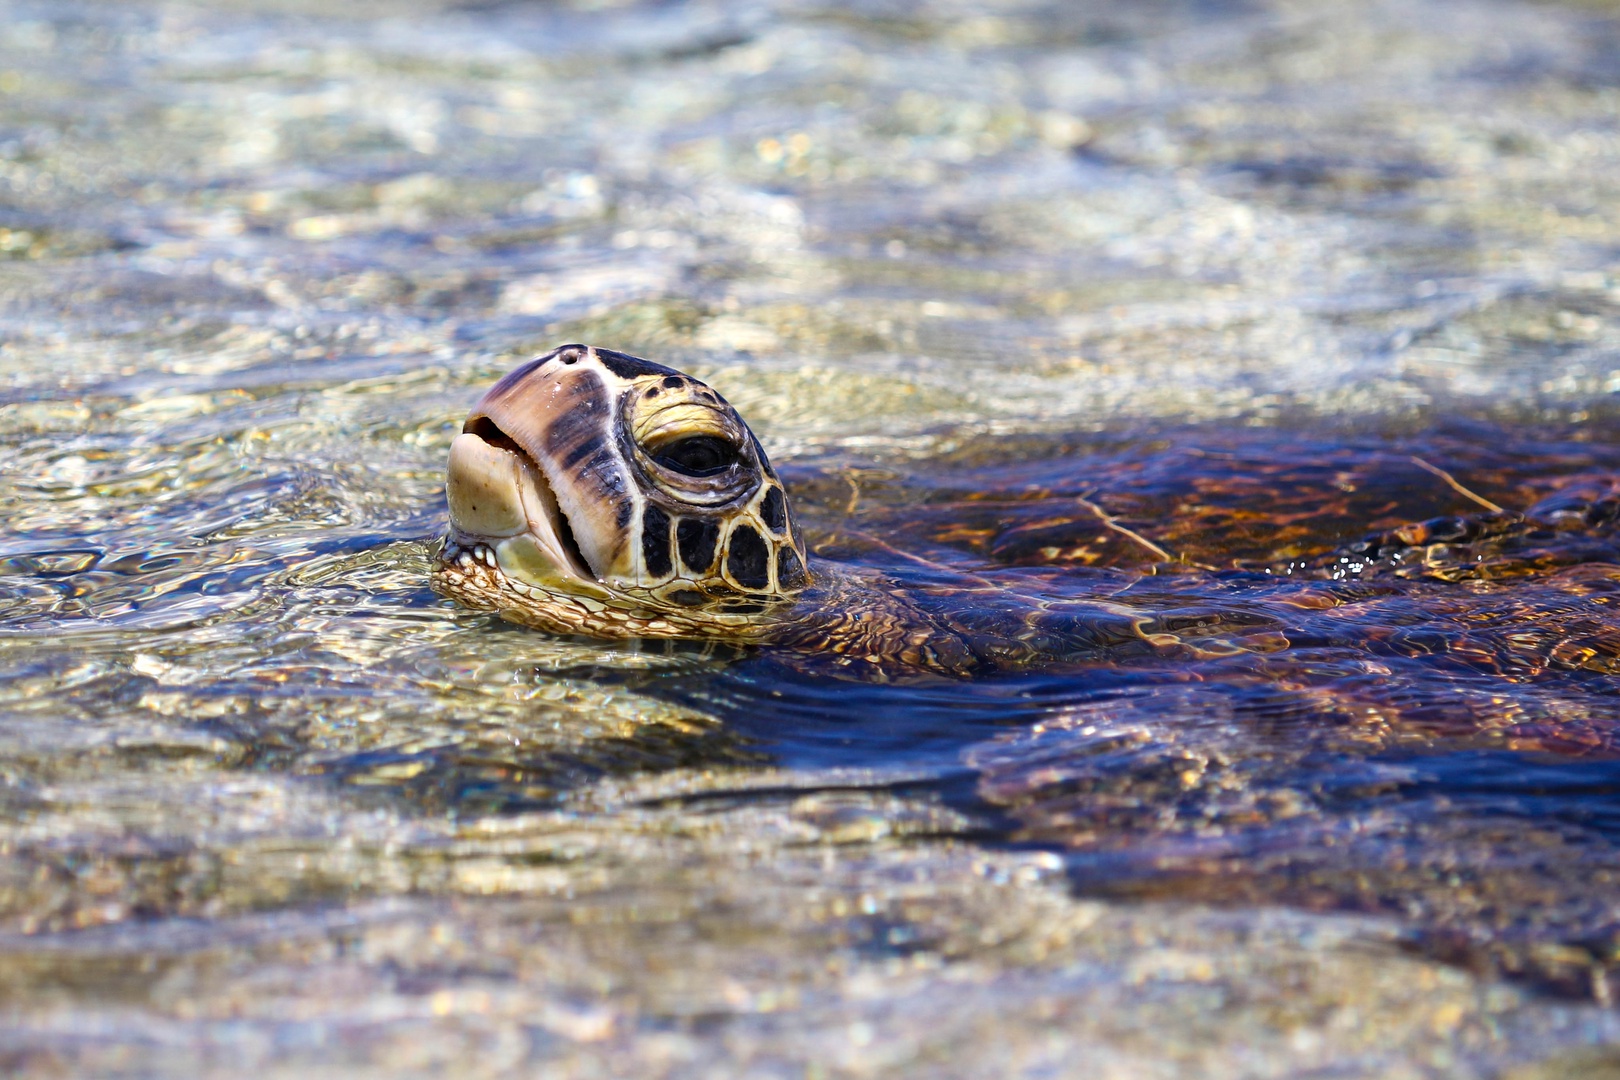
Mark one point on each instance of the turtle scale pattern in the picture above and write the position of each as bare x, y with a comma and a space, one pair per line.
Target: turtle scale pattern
1262, 536
1254, 549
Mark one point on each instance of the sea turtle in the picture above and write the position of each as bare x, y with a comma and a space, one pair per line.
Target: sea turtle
596, 493
1199, 689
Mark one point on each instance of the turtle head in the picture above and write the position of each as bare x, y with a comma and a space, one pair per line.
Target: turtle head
597, 493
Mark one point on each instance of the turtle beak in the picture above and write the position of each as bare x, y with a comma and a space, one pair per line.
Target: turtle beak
560, 415
500, 498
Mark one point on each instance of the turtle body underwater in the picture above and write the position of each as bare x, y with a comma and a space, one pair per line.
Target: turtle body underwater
600, 494
1237, 668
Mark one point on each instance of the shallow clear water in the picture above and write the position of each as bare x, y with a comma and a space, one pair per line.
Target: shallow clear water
1232, 274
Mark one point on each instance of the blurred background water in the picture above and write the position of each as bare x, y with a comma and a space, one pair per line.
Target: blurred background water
267, 804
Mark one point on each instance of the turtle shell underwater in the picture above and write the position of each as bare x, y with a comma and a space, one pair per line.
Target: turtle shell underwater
599, 494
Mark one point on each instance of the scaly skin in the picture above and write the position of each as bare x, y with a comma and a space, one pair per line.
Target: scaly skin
471, 576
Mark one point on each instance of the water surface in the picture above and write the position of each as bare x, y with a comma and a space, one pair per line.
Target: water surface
1239, 276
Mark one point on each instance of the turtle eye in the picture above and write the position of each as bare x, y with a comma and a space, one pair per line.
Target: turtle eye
701, 455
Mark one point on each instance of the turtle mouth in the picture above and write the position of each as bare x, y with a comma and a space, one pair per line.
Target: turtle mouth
499, 495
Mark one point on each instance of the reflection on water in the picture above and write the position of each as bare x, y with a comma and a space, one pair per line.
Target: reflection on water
1030, 292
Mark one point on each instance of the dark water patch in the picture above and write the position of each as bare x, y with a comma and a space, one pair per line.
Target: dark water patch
808, 721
